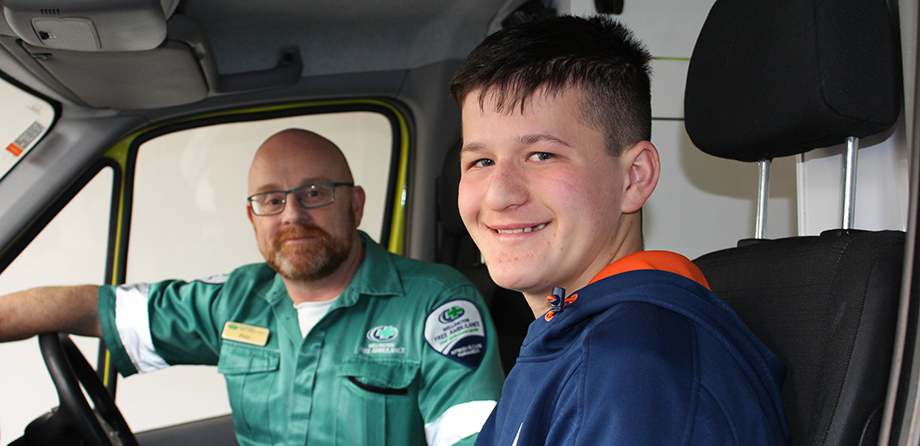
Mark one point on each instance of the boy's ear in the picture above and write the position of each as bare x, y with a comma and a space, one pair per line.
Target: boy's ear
643, 169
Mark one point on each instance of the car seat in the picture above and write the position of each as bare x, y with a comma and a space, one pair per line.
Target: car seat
779, 78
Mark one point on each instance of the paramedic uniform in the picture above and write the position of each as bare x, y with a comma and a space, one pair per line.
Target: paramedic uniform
645, 355
407, 353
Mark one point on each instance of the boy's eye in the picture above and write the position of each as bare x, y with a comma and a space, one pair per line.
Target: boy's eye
483, 163
541, 156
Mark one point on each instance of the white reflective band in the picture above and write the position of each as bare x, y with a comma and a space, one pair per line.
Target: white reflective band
133, 324
458, 422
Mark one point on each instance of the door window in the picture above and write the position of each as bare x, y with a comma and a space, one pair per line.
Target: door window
70, 250
26, 118
189, 221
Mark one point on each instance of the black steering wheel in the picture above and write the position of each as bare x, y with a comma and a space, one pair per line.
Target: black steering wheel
104, 426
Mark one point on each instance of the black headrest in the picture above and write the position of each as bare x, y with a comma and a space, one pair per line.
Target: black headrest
448, 184
772, 78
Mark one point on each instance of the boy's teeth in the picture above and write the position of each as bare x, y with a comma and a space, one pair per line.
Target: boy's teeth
518, 231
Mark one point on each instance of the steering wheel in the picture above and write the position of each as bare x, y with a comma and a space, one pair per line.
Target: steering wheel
104, 426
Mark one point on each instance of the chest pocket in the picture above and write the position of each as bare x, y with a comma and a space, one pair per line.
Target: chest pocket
236, 358
381, 398
251, 373
389, 377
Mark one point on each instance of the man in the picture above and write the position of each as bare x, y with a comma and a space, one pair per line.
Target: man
630, 347
331, 341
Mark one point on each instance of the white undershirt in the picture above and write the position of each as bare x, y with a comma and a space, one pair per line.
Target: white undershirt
309, 313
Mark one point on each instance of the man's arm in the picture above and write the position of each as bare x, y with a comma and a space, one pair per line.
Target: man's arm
70, 309
458, 397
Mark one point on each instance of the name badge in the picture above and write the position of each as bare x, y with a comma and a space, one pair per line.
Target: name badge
248, 334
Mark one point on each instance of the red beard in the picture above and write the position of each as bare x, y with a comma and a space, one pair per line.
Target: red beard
318, 259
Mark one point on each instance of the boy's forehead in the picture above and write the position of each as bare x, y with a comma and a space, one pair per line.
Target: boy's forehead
539, 109
515, 98
547, 123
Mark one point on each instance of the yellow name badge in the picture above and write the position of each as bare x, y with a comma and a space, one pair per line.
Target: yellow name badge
249, 334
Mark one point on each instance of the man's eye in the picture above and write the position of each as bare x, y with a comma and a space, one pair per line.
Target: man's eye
485, 162
541, 156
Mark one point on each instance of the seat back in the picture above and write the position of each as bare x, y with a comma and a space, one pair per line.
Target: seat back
778, 78
827, 306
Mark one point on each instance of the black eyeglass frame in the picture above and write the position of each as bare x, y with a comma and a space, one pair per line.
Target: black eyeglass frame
334, 184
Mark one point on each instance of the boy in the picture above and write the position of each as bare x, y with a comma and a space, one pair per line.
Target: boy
630, 347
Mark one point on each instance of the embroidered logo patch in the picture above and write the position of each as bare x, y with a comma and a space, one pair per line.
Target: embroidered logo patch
455, 330
383, 341
383, 333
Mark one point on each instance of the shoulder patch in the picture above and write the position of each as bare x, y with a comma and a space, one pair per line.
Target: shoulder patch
455, 329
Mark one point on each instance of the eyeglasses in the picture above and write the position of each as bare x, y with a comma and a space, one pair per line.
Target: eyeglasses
310, 196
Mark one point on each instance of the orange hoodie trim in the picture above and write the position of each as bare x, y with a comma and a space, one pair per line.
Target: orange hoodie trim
659, 260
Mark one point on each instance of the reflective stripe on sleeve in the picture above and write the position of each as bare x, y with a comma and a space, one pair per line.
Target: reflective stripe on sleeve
133, 324
458, 422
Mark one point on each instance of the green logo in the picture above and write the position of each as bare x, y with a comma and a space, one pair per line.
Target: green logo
451, 314
383, 333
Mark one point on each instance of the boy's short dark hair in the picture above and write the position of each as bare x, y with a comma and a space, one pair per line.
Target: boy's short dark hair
598, 55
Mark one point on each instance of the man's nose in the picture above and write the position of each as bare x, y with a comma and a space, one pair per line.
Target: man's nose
293, 211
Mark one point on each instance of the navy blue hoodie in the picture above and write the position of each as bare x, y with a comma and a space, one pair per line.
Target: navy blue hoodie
643, 357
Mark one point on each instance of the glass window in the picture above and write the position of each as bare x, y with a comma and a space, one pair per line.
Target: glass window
25, 120
70, 250
189, 221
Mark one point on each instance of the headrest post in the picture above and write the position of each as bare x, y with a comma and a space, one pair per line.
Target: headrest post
849, 184
763, 194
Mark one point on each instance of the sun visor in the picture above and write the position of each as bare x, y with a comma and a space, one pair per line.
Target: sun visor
90, 25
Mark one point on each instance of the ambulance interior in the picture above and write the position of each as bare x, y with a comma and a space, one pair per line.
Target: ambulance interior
129, 127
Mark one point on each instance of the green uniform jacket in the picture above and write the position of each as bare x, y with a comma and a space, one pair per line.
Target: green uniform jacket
407, 353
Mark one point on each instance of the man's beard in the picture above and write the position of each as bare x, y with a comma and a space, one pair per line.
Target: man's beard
315, 261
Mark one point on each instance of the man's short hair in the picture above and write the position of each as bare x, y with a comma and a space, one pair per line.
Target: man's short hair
597, 55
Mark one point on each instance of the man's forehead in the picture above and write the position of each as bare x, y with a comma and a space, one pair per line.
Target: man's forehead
300, 160
281, 184
286, 174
